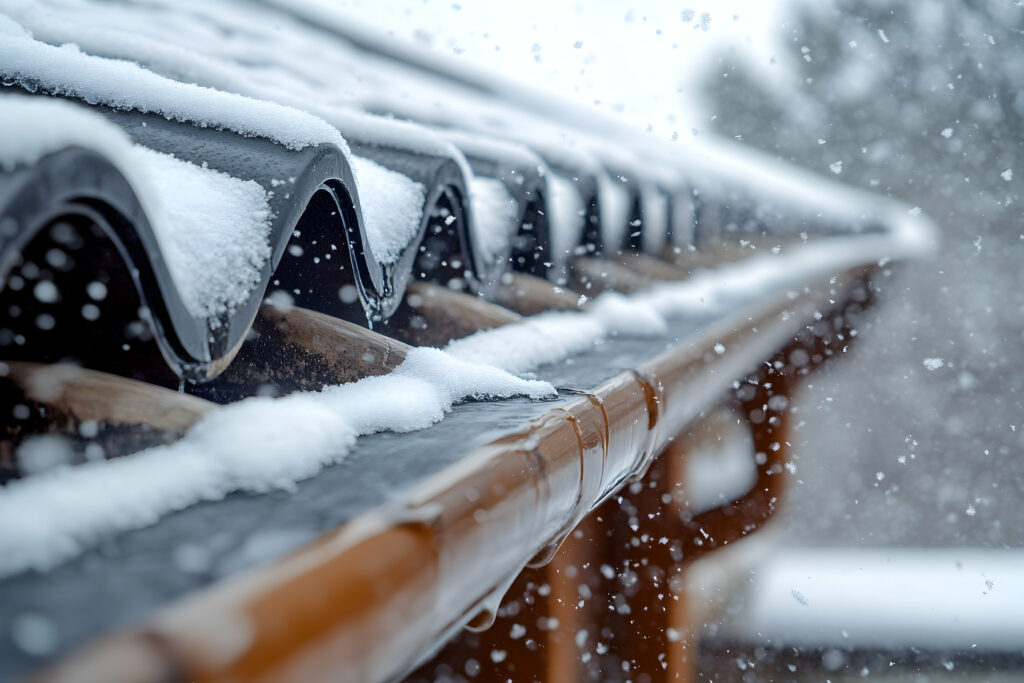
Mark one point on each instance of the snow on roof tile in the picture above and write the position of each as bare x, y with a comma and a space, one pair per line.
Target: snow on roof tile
212, 228
69, 72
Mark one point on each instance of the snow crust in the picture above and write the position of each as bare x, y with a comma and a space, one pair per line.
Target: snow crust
392, 206
212, 228
255, 445
475, 144
313, 73
785, 194
309, 69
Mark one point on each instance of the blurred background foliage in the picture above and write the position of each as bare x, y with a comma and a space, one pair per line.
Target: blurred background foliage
923, 101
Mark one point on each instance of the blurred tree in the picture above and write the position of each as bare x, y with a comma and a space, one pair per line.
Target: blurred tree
924, 101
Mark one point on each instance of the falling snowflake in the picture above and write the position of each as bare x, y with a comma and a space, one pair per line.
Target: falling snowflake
947, 132
1007, 175
933, 364
836, 167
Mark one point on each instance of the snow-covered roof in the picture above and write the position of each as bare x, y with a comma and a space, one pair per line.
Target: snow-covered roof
212, 228
315, 71
199, 107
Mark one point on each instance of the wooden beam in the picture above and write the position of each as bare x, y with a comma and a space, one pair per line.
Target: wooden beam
91, 395
288, 350
650, 266
433, 315
529, 295
118, 414
592, 275
296, 349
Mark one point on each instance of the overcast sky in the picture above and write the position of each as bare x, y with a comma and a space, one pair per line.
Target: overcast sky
638, 61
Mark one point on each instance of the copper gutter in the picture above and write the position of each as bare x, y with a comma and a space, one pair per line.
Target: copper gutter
371, 600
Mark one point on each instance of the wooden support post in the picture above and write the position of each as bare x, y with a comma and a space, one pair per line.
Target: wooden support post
658, 539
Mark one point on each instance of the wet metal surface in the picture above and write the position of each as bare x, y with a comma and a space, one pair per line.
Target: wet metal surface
127, 578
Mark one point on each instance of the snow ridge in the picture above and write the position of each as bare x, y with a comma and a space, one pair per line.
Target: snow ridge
255, 445
68, 72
